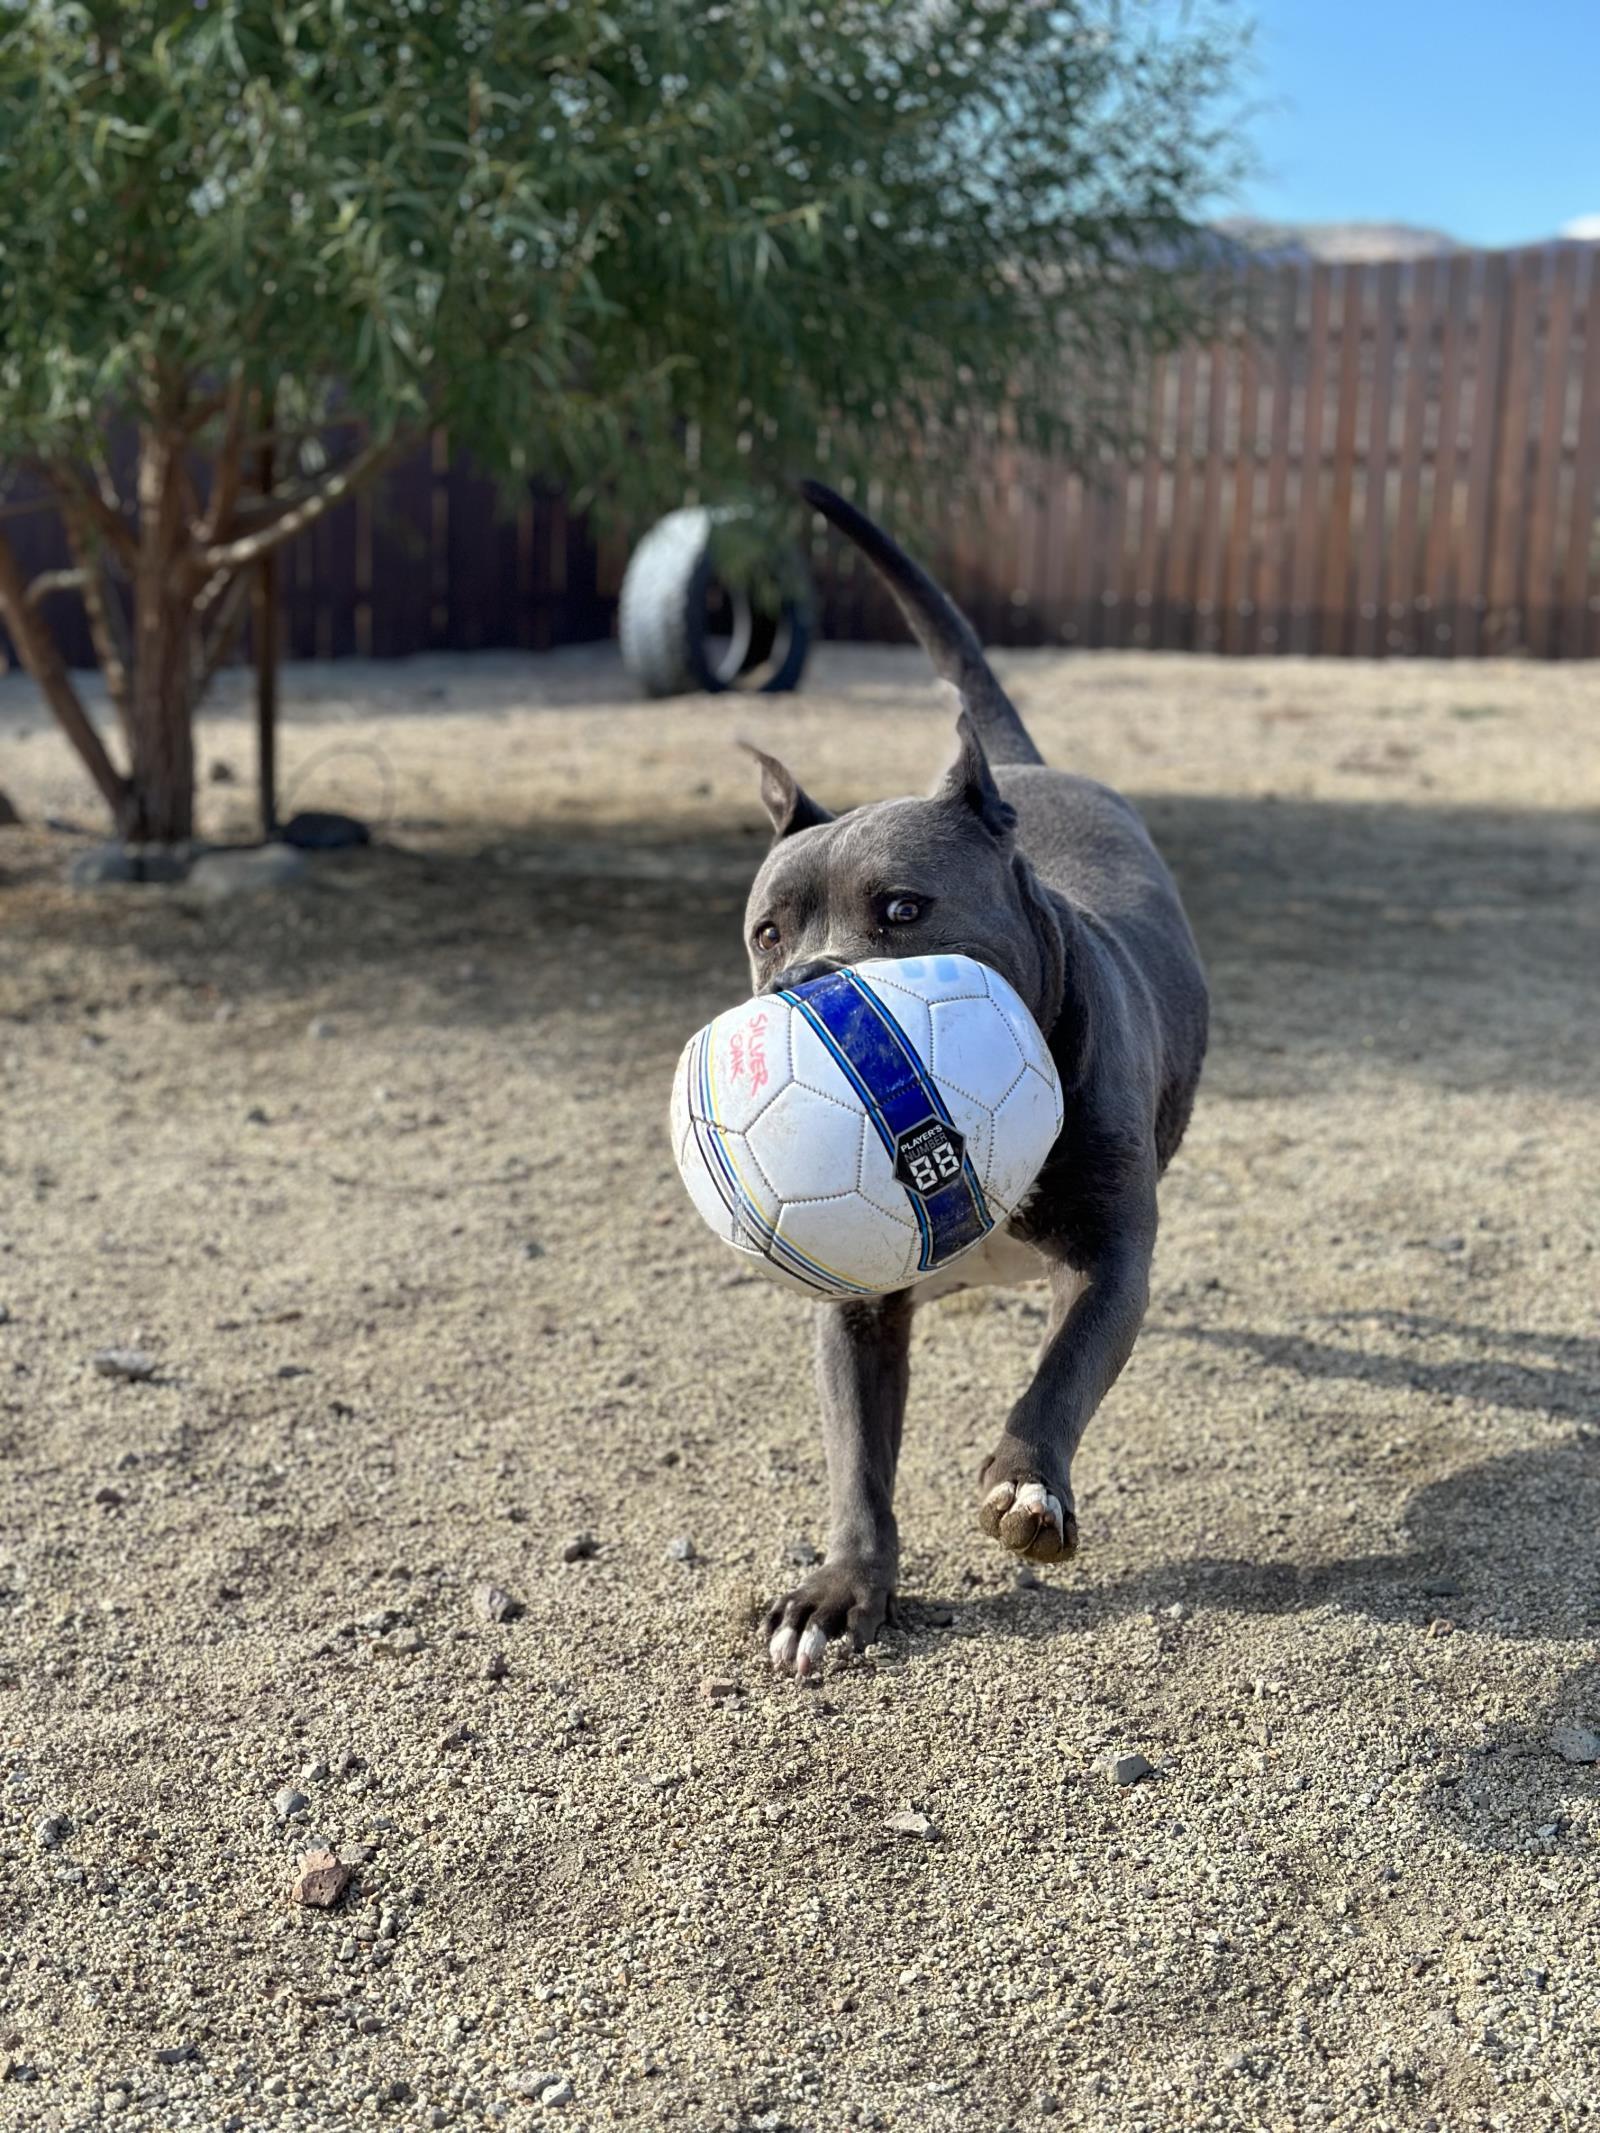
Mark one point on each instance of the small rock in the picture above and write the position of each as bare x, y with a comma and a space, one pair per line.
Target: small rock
1025, 1578
245, 870
257, 1116
496, 1605
1441, 1626
531, 1249
9, 818
223, 773
50, 1831
320, 1027
911, 1824
1441, 1589
802, 1554
5, 1316
721, 1692
289, 1802
496, 1667
681, 1550
1575, 1742
400, 1644
1125, 1769
110, 1499
321, 1881
1045, 2104
131, 1364
175, 2054
532, 2084
320, 830
557, 2095
580, 1548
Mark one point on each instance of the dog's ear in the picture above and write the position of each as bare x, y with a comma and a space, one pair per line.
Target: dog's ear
789, 806
969, 784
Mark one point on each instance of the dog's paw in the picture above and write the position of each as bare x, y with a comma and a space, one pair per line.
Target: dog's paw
1029, 1517
839, 1599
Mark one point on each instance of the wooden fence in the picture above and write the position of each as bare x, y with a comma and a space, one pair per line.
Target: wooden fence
1400, 458
1372, 460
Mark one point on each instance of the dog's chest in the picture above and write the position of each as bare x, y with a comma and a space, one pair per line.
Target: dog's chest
1001, 1261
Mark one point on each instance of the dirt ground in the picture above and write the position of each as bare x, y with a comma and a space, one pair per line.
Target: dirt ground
376, 1171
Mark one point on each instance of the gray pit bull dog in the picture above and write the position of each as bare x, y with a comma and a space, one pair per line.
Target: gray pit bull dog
1053, 881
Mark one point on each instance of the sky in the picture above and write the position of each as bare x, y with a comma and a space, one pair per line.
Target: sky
1481, 120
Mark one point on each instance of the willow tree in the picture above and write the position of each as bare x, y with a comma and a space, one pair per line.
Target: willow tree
627, 247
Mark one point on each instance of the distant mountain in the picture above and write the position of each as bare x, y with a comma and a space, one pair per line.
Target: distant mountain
1363, 243
1336, 242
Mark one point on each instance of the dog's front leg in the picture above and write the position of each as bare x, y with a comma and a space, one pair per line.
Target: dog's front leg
863, 1352
1026, 1482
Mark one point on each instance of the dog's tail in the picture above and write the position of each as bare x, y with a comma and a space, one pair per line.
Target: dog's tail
944, 632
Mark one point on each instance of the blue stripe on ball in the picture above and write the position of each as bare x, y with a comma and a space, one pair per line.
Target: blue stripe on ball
870, 1049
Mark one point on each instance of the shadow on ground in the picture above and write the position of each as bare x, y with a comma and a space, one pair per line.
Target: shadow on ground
1458, 944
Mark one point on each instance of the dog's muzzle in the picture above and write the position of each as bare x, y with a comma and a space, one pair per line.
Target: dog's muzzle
794, 974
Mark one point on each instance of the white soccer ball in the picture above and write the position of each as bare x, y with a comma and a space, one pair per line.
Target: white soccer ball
861, 1132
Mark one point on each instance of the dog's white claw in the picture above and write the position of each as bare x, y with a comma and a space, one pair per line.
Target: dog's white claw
1034, 1496
784, 1648
812, 1646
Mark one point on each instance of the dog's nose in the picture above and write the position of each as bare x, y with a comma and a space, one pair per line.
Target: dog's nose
820, 966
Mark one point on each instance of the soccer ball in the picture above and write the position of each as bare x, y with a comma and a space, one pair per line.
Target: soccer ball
859, 1133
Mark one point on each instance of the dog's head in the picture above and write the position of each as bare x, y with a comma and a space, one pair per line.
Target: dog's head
901, 878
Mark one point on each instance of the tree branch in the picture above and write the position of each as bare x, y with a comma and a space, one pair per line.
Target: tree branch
219, 639
36, 648
118, 534
298, 515
227, 468
102, 610
53, 581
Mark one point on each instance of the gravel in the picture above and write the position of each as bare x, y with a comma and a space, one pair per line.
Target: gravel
1363, 1891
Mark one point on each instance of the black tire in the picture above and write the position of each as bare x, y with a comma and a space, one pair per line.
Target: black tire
664, 617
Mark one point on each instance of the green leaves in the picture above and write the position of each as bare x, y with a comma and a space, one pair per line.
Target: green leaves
574, 233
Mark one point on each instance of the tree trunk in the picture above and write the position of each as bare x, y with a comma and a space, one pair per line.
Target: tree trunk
161, 695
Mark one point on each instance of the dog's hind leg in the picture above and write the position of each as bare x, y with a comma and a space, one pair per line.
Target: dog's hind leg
863, 1368
1026, 1482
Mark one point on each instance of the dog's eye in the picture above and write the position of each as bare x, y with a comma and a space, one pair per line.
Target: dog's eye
903, 910
767, 937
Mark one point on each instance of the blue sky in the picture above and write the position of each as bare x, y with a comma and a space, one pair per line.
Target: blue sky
1482, 120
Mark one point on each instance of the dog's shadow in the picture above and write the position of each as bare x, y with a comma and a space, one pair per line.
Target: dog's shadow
1510, 1545
1507, 1548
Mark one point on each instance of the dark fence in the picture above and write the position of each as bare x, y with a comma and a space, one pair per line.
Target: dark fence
1402, 458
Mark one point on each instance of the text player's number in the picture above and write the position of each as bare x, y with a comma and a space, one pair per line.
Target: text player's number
931, 1170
